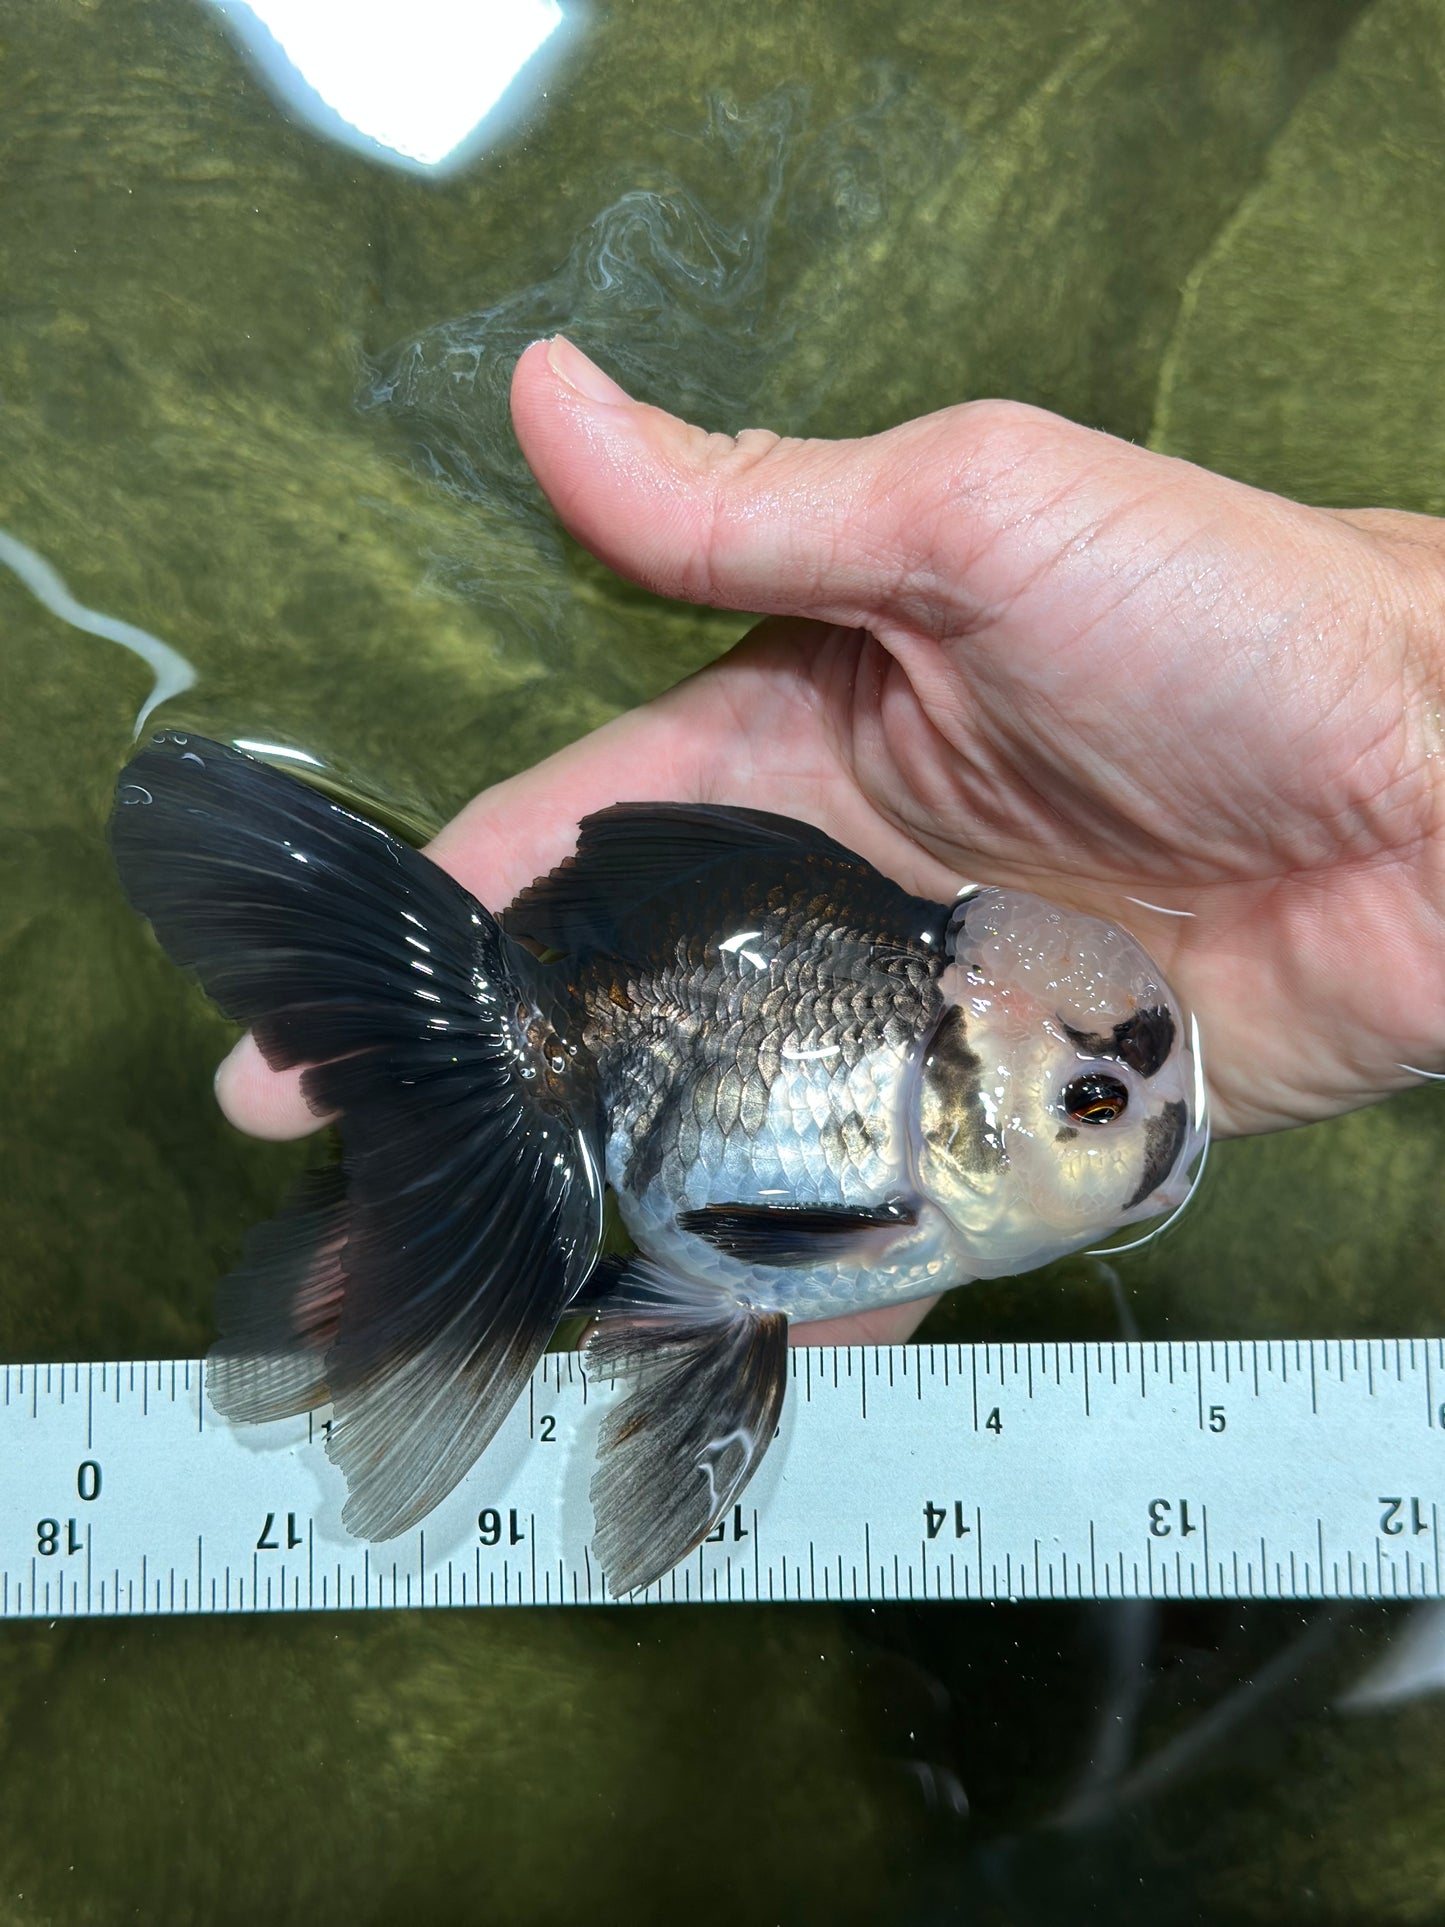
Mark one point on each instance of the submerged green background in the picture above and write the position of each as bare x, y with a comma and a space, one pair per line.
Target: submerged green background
251, 397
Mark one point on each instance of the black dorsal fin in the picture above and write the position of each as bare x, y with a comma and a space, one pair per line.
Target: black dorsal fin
635, 859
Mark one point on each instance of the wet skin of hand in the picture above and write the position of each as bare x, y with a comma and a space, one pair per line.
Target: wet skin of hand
1005, 648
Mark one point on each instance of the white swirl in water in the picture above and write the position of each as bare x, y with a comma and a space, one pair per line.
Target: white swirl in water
171, 670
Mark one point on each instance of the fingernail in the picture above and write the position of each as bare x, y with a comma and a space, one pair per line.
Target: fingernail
585, 376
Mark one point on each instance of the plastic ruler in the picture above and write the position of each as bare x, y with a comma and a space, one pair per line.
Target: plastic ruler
1289, 1469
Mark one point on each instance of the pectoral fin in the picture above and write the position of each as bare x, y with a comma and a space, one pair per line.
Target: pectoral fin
793, 1234
707, 1383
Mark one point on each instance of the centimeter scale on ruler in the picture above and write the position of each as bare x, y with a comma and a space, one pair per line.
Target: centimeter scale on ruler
1290, 1469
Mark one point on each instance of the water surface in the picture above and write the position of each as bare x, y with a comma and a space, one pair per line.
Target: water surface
252, 401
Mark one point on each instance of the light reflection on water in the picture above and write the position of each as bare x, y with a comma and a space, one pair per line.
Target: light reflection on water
408, 82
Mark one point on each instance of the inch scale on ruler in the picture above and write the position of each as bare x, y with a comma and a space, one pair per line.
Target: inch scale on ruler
1289, 1469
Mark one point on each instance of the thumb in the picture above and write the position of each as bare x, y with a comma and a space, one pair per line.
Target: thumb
935, 527
844, 531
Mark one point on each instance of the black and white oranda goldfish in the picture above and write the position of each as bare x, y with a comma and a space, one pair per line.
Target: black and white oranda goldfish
810, 1091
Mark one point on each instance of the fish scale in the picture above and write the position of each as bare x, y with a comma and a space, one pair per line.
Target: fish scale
735, 1024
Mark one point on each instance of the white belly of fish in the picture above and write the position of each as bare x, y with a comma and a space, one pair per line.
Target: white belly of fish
833, 1135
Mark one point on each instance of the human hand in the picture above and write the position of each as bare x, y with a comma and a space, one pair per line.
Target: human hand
1022, 652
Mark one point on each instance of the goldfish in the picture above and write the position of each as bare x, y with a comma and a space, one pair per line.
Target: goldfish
809, 1091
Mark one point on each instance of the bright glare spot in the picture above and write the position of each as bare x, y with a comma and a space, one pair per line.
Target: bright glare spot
735, 947
275, 749
1413, 1666
415, 76
1162, 908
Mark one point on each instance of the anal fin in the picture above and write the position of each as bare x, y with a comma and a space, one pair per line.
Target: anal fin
707, 1379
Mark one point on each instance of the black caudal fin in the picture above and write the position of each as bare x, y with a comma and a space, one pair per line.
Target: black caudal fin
707, 1381
278, 1309
419, 1295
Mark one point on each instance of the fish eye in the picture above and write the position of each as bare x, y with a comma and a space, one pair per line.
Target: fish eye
1095, 1098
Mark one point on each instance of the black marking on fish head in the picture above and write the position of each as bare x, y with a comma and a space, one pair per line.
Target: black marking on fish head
1142, 1041
1164, 1137
954, 1124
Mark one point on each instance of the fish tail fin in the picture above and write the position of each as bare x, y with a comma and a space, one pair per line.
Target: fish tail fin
418, 1287
278, 1310
707, 1378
